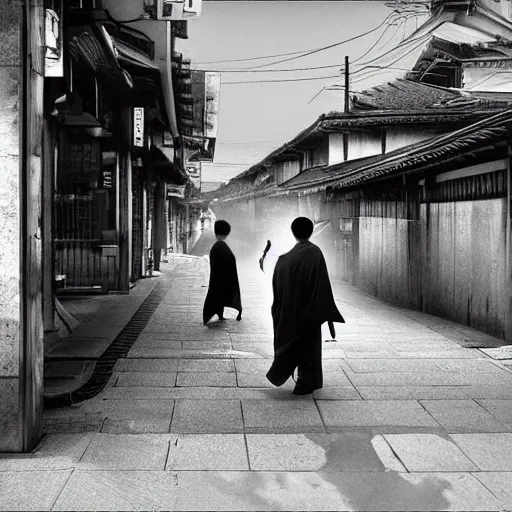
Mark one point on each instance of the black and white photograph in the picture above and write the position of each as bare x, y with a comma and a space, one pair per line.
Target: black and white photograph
256, 255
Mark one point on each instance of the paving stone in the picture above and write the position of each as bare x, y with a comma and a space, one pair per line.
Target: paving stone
131, 409
206, 365
389, 365
158, 379
342, 491
313, 452
202, 379
159, 343
31, 490
500, 409
428, 452
206, 345
337, 393
463, 416
208, 452
407, 413
209, 417
55, 451
500, 484
499, 353
299, 415
92, 423
200, 393
119, 490
151, 426
126, 452
490, 452
472, 365
146, 365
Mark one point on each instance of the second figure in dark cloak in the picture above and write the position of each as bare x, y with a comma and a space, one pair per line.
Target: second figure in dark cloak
223, 289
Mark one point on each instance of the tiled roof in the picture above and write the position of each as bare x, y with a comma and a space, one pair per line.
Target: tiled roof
435, 150
403, 95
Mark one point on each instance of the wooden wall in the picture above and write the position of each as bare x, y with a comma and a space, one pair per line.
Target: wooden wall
464, 262
445, 256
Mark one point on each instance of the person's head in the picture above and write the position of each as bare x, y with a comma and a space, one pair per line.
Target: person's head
222, 229
302, 228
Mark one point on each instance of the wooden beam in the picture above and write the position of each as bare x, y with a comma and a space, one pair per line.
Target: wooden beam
472, 170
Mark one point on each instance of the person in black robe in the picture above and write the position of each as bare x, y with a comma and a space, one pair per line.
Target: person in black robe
223, 289
303, 301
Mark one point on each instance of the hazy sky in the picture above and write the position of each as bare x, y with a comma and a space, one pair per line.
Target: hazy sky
256, 118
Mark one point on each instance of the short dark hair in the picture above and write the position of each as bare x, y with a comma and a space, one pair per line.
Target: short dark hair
222, 228
302, 228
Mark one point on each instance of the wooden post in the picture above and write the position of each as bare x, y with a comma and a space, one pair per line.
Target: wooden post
347, 106
508, 246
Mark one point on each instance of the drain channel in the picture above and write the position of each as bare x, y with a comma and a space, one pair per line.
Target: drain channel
118, 349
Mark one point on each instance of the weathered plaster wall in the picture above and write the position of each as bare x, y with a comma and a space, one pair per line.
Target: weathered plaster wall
9, 227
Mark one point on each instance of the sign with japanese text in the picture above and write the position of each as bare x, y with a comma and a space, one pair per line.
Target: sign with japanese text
138, 127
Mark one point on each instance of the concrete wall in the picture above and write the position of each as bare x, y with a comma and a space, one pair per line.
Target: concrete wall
21, 329
9, 228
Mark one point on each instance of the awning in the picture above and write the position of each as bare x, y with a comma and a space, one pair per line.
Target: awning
91, 45
166, 170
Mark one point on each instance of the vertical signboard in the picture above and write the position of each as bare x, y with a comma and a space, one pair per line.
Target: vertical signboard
138, 127
194, 173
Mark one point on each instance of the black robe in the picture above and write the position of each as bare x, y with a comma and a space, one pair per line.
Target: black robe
303, 301
223, 289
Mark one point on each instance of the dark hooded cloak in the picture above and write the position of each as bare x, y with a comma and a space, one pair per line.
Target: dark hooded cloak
303, 301
224, 288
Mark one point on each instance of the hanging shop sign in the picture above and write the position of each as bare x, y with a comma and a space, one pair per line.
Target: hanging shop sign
138, 127
175, 191
53, 62
108, 180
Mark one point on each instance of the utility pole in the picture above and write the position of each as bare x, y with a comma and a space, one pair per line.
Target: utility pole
347, 86
347, 106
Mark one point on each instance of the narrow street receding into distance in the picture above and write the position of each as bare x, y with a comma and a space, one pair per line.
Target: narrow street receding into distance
408, 419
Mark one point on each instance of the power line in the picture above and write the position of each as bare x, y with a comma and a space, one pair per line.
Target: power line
311, 52
305, 52
281, 81
269, 70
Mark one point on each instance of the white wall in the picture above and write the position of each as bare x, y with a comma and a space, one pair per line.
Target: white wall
401, 136
363, 144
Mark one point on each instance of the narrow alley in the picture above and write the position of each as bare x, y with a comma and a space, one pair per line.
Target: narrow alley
408, 419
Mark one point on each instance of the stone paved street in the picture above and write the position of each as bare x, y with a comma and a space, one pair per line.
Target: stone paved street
409, 418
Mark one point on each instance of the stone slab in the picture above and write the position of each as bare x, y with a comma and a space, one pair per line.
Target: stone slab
500, 409
313, 452
208, 417
390, 365
126, 452
149, 426
145, 379
500, 484
342, 491
405, 413
119, 490
55, 451
208, 452
31, 490
337, 393
206, 379
290, 416
429, 452
463, 416
146, 365
131, 409
499, 353
206, 365
490, 452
